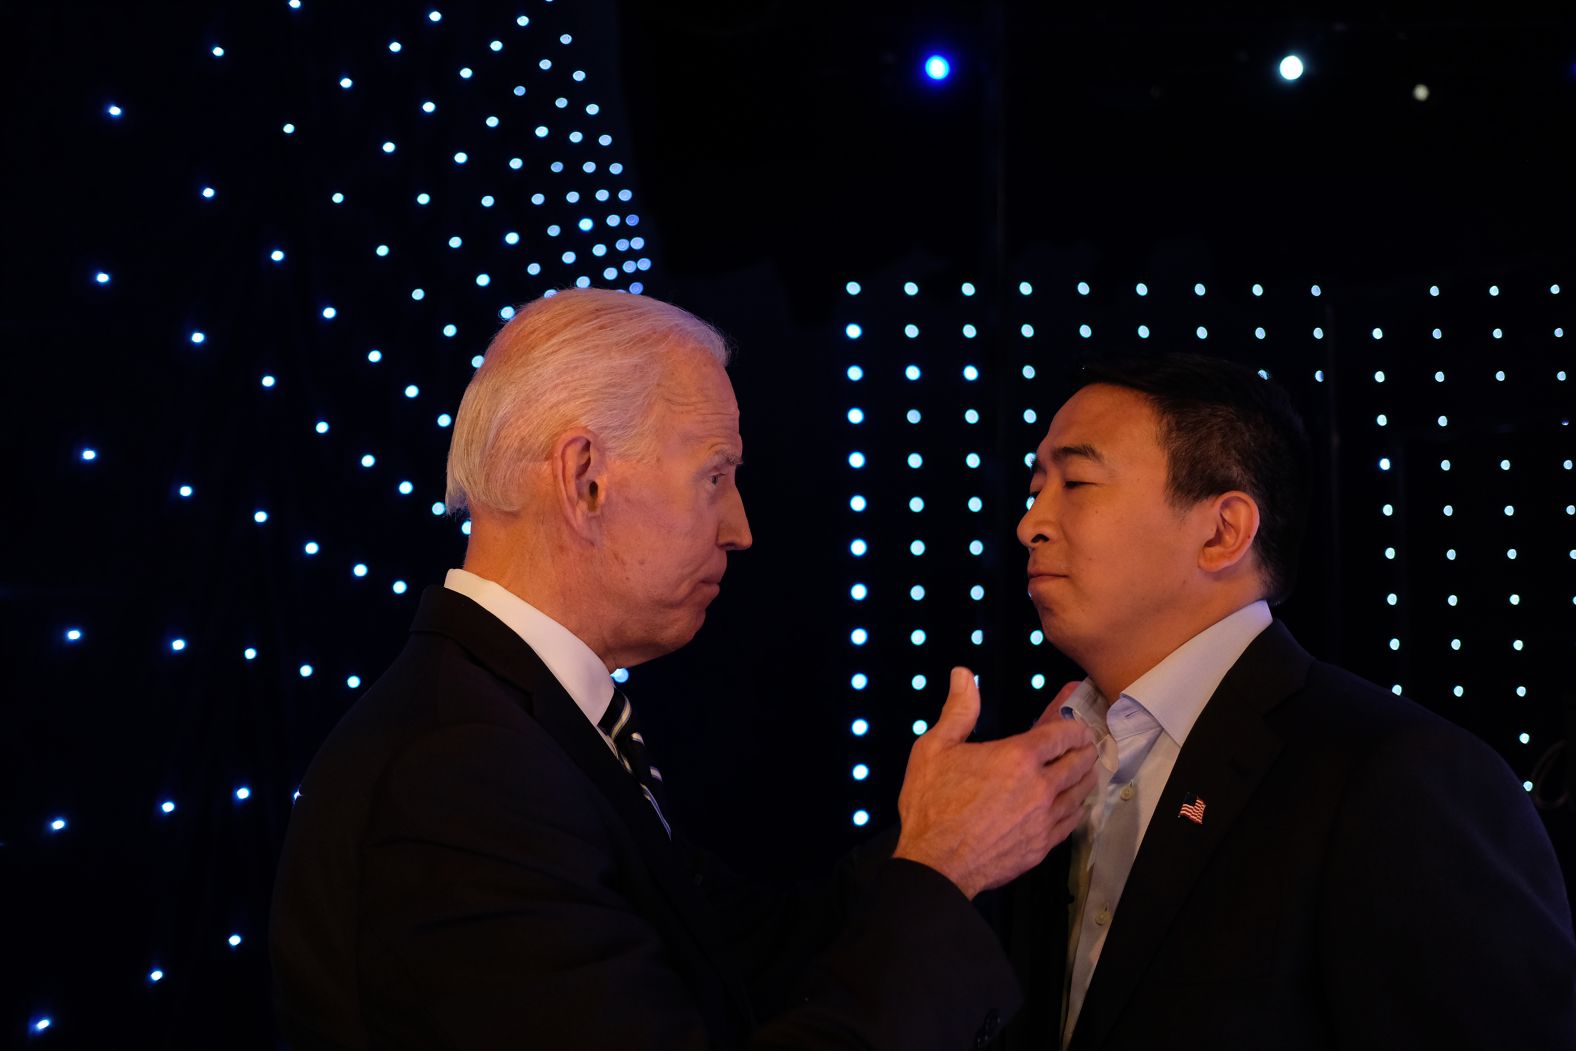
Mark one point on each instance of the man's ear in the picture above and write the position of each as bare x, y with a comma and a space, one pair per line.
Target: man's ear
579, 463
1233, 523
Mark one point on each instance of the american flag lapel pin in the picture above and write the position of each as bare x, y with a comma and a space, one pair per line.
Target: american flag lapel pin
1192, 809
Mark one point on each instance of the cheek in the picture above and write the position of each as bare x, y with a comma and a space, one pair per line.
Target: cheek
1158, 548
1114, 550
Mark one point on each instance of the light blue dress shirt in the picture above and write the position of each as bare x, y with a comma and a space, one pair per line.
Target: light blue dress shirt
1138, 738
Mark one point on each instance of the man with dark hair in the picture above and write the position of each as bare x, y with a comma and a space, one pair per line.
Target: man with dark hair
1277, 854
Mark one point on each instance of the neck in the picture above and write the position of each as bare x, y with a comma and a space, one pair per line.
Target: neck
544, 573
1114, 671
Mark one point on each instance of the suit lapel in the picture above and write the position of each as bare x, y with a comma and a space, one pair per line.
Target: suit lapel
495, 645
1226, 754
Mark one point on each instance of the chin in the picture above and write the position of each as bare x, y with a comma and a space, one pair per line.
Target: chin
685, 635
1058, 633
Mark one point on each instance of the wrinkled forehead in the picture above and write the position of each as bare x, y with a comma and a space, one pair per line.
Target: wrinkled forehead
697, 397
694, 380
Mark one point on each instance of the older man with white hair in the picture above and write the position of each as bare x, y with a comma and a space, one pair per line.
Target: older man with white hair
480, 856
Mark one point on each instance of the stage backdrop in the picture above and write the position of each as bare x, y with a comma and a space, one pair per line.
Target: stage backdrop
258, 253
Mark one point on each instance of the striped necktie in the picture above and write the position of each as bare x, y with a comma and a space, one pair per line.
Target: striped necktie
618, 723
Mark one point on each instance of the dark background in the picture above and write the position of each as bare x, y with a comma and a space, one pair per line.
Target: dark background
775, 152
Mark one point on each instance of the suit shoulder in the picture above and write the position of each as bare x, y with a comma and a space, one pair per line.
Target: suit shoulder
433, 696
432, 683
1393, 732
1374, 709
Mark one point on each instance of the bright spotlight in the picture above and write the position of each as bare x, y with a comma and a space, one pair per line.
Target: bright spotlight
1291, 67
937, 67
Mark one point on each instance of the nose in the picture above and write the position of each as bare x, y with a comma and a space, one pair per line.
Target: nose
733, 534
1034, 528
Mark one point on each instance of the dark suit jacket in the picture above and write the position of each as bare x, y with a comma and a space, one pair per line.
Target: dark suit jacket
1366, 875
468, 866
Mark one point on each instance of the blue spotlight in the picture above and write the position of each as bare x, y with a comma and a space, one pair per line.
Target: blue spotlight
1291, 67
937, 67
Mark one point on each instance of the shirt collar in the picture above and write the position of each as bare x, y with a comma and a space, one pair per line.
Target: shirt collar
1175, 691
580, 671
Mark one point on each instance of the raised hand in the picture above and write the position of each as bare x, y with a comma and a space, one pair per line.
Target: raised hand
982, 813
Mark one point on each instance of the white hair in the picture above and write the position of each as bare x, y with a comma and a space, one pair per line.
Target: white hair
586, 357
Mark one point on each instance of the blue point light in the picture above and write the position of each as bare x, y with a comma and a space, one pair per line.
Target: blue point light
937, 67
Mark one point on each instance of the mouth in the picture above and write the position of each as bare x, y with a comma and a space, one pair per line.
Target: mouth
1040, 581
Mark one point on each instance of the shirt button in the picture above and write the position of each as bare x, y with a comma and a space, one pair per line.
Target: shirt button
1127, 792
1102, 917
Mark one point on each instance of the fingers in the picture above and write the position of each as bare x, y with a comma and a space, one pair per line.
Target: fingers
1065, 827
1053, 711
1051, 738
962, 709
1068, 809
1070, 771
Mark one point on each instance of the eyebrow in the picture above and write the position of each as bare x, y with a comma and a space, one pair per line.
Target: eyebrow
1085, 451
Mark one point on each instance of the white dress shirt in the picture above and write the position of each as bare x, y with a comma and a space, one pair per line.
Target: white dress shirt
1138, 738
578, 670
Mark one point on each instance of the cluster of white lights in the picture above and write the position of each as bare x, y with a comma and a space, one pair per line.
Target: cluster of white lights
568, 130
1199, 332
1447, 510
917, 470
